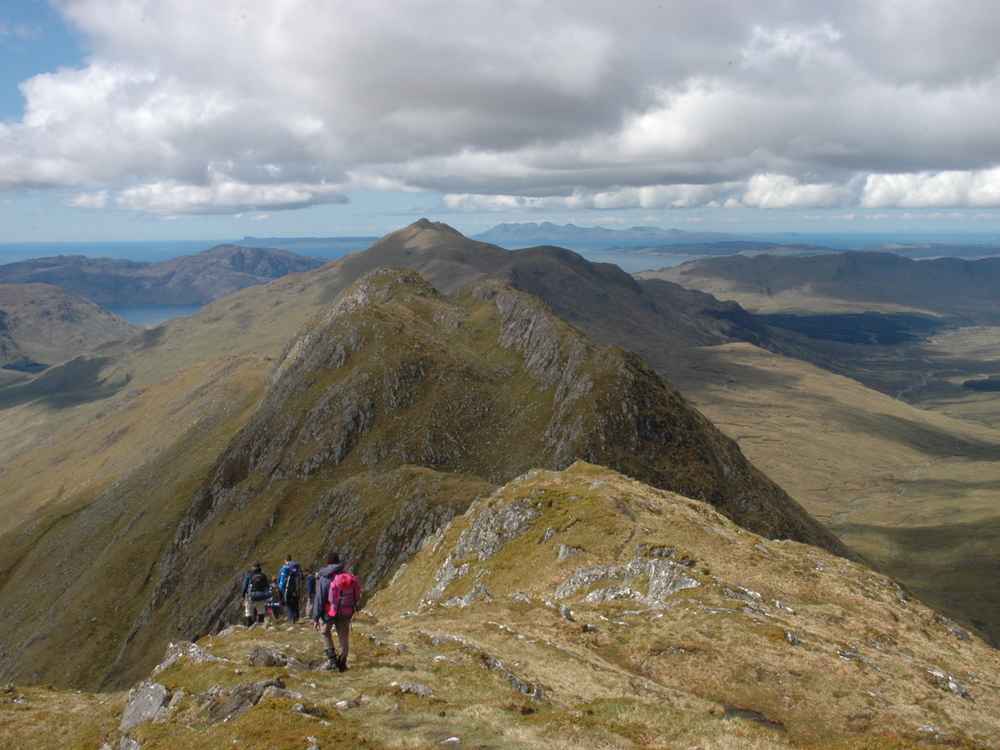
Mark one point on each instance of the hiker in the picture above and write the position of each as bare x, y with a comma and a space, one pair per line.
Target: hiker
274, 606
254, 595
289, 581
310, 586
337, 595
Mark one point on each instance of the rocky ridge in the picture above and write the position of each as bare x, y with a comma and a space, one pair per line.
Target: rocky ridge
572, 609
386, 416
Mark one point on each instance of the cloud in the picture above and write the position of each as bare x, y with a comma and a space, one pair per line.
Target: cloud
780, 191
971, 189
188, 107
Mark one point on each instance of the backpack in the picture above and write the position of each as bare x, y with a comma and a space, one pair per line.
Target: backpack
294, 575
343, 595
260, 587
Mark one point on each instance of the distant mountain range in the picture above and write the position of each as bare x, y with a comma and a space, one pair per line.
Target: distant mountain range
849, 281
530, 234
673, 242
188, 279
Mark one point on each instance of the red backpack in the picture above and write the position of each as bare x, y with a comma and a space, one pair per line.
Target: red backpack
343, 595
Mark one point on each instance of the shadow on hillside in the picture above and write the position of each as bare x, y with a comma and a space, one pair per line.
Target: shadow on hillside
76, 382
917, 435
956, 564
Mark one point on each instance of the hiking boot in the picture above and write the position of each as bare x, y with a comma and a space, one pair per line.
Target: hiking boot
342, 663
331, 660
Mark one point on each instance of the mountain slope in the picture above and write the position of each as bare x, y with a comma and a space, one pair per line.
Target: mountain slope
850, 281
572, 609
189, 279
45, 324
384, 417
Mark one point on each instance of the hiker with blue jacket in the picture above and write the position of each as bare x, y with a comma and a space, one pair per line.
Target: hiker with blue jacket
289, 580
254, 595
337, 595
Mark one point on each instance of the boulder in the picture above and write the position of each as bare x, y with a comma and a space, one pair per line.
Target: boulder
146, 701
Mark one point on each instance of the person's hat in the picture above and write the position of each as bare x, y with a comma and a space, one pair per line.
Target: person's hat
256, 566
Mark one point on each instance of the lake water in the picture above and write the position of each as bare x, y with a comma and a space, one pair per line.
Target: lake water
153, 315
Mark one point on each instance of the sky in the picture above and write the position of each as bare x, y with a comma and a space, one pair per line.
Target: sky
181, 119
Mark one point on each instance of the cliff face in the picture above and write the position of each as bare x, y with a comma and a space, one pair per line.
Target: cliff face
383, 418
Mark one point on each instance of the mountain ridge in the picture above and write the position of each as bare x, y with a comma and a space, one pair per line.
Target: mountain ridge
188, 279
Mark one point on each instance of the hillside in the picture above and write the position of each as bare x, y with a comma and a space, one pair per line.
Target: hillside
652, 318
384, 417
848, 282
188, 279
837, 446
45, 325
605, 614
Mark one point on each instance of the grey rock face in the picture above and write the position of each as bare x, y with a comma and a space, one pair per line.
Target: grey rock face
566, 552
610, 593
490, 530
665, 578
244, 696
146, 701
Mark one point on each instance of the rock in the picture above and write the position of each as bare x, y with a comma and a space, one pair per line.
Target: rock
128, 743
566, 612
793, 639
146, 701
949, 682
342, 705
244, 696
491, 529
583, 577
196, 654
275, 692
520, 596
566, 552
666, 578
479, 591
611, 593
262, 656
413, 687
447, 573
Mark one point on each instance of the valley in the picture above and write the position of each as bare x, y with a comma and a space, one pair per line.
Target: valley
929, 513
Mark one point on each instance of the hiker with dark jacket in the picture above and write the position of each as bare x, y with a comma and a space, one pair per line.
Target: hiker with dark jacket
289, 580
254, 595
337, 595
310, 589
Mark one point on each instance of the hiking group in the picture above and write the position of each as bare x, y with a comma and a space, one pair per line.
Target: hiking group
333, 594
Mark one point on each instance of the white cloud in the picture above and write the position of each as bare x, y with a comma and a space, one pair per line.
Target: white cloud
192, 107
781, 191
972, 189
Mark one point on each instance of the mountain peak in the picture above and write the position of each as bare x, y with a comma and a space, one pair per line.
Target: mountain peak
440, 226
